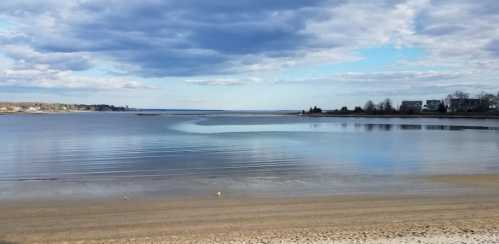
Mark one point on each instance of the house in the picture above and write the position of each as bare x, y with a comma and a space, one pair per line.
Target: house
33, 109
15, 109
464, 104
432, 105
411, 106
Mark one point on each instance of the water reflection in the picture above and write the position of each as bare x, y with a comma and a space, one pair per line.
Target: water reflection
210, 128
388, 127
411, 127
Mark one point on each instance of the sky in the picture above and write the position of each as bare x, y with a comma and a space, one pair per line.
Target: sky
246, 54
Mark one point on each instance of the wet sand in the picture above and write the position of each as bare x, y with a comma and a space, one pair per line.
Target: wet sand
470, 217
483, 181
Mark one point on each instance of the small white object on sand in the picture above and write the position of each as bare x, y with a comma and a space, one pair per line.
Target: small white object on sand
219, 194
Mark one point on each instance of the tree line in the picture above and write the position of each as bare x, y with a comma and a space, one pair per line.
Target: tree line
487, 102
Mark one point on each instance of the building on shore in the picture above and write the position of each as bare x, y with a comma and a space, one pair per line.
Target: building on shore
411, 106
464, 104
432, 105
30, 107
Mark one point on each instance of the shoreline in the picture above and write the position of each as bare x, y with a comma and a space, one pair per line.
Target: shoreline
60, 112
313, 115
466, 217
404, 116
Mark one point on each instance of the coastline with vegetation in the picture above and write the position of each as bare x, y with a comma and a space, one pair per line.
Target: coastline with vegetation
41, 107
492, 115
456, 105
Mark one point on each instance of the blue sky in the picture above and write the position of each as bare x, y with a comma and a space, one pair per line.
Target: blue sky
245, 54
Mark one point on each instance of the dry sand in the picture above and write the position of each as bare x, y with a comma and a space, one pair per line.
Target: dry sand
464, 218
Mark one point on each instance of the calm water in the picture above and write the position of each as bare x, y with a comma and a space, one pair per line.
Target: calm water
110, 154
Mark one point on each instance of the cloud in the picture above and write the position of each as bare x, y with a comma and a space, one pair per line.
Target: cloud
385, 78
196, 38
427, 91
401, 83
493, 47
226, 81
171, 38
457, 33
216, 82
415, 77
26, 57
43, 77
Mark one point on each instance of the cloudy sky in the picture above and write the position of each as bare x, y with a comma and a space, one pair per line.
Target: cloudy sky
246, 54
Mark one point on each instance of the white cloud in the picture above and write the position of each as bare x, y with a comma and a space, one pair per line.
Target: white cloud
223, 82
216, 82
386, 78
27, 57
402, 83
41, 76
400, 77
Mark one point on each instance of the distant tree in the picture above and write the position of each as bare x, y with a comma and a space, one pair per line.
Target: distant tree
344, 109
460, 95
387, 105
380, 107
315, 110
358, 110
369, 107
456, 95
442, 108
487, 101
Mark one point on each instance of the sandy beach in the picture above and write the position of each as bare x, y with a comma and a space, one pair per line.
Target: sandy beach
471, 217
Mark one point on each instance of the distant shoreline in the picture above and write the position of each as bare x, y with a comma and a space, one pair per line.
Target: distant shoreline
401, 116
407, 116
42, 107
57, 112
